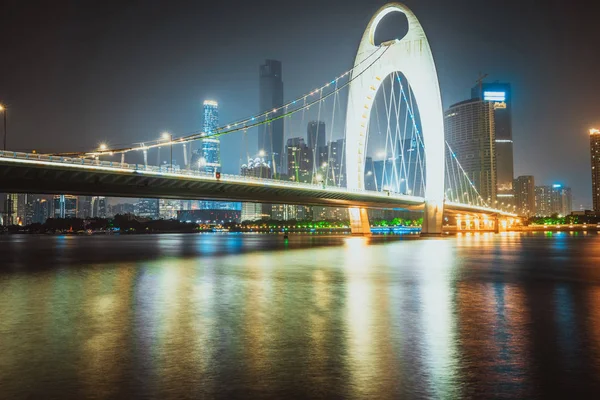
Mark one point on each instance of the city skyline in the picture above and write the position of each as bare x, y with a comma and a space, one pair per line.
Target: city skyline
564, 133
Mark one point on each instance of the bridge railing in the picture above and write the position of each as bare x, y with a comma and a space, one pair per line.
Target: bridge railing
164, 170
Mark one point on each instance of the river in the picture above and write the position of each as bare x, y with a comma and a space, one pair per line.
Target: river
255, 316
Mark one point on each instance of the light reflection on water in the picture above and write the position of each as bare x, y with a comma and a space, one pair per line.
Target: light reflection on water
232, 316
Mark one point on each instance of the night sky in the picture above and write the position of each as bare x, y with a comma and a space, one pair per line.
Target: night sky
75, 74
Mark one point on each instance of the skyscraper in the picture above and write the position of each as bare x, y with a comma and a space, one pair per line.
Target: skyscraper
41, 210
99, 207
147, 208
300, 161
543, 201
562, 200
595, 153
524, 188
211, 157
315, 132
65, 206
500, 95
337, 164
84, 207
270, 136
470, 132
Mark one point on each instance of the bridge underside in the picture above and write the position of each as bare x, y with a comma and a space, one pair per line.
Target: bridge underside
64, 179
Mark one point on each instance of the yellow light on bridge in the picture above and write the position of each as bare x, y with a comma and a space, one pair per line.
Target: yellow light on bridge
103, 146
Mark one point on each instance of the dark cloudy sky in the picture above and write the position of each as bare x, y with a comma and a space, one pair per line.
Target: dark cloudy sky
77, 73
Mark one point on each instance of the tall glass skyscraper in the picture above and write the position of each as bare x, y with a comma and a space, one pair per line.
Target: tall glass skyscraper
270, 136
470, 131
211, 157
499, 94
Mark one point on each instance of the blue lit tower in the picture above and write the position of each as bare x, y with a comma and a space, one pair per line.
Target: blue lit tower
210, 146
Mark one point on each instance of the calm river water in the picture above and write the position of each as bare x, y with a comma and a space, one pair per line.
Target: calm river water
253, 316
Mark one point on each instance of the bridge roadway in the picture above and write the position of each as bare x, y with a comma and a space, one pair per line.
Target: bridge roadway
44, 174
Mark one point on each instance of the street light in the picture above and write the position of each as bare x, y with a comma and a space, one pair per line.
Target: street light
261, 153
103, 146
3, 110
169, 137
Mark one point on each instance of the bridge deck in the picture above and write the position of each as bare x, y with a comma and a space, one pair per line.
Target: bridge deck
43, 174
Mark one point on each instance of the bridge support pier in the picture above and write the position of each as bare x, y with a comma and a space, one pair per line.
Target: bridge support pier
433, 217
359, 222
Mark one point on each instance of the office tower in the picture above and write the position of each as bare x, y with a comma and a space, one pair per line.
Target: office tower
65, 206
595, 154
524, 188
469, 130
84, 207
211, 157
167, 208
562, 200
99, 209
10, 209
270, 136
337, 162
41, 210
25, 204
315, 134
300, 161
500, 96
256, 168
543, 201
147, 208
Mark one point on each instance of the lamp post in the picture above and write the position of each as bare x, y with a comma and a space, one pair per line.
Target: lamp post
3, 109
169, 137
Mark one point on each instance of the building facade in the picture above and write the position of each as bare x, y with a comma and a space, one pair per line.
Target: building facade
543, 201
300, 160
470, 131
210, 160
270, 136
147, 208
595, 158
524, 188
500, 95
65, 206
562, 200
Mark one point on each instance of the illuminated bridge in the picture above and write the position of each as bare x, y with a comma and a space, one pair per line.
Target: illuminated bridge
389, 99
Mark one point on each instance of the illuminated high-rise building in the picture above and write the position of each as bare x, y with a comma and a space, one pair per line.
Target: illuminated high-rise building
210, 147
543, 201
147, 208
167, 208
99, 209
470, 131
270, 136
595, 154
300, 161
500, 96
524, 188
65, 206
562, 200
315, 134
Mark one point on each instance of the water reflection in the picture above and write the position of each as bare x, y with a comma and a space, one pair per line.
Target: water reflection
234, 316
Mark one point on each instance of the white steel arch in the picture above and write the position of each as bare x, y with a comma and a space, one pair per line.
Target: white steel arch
412, 56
